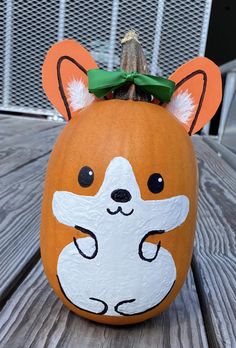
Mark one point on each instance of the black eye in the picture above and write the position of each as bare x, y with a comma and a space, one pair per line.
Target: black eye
86, 176
155, 183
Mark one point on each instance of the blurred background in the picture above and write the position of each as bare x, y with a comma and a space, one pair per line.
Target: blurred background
171, 31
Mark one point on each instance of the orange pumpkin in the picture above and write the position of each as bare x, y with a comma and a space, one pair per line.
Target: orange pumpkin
120, 199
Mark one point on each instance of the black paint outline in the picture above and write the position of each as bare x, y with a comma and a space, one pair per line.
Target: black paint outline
121, 303
147, 310
59, 79
103, 302
92, 235
116, 306
186, 78
90, 298
140, 252
119, 210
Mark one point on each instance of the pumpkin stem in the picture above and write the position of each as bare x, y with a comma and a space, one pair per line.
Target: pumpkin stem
132, 59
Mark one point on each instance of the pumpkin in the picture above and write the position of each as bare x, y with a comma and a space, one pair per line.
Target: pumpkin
120, 196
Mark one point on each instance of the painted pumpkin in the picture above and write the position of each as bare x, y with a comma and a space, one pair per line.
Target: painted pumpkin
120, 199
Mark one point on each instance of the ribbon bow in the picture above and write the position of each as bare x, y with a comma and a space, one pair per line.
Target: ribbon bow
101, 82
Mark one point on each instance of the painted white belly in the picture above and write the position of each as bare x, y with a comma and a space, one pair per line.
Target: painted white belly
116, 274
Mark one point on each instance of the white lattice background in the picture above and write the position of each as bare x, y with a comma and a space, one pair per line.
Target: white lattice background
171, 31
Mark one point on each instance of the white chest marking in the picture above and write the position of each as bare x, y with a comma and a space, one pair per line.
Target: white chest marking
115, 271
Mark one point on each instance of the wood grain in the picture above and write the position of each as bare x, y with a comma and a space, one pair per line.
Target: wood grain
3, 117
21, 188
214, 262
21, 150
15, 126
20, 205
222, 151
34, 317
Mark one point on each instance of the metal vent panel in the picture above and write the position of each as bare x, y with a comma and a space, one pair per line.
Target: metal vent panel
33, 32
141, 18
171, 32
90, 23
186, 25
2, 46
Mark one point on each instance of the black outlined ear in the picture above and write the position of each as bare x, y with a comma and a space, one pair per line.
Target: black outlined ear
197, 95
64, 77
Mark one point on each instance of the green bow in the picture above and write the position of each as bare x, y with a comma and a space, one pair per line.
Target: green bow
101, 82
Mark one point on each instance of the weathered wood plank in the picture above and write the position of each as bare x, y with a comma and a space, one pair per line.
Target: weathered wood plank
222, 151
21, 150
214, 261
20, 204
2, 117
34, 317
14, 127
20, 199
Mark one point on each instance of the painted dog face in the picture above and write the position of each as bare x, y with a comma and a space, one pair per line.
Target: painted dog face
120, 198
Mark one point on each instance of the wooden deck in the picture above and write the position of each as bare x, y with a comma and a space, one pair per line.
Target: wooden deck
203, 314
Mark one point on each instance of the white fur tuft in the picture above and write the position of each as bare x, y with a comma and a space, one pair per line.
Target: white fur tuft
79, 96
182, 106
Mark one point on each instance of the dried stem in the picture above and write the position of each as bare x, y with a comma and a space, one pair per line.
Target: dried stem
132, 59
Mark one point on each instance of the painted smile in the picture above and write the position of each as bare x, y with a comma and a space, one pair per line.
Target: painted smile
119, 210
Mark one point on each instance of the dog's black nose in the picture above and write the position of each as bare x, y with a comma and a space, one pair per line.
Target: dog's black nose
121, 196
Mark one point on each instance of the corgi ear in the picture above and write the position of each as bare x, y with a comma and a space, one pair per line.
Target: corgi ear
64, 77
197, 95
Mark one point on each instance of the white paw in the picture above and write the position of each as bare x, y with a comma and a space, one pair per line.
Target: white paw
87, 247
96, 306
126, 307
149, 251
91, 304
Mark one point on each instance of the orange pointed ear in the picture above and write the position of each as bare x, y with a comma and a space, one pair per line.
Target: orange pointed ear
64, 77
198, 93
